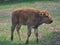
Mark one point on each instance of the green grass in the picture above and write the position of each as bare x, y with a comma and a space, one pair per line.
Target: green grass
45, 31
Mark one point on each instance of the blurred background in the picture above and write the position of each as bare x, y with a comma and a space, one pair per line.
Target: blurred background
48, 34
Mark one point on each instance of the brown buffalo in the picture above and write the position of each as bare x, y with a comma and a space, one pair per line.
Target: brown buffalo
30, 17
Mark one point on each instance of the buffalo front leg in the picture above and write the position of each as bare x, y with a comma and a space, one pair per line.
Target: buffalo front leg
36, 34
28, 34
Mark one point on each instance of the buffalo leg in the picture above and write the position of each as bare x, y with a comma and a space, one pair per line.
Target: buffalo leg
12, 30
36, 34
28, 34
18, 28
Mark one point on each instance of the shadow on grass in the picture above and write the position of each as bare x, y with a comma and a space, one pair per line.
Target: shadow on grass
14, 43
9, 43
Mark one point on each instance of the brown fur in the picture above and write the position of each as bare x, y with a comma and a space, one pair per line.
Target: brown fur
30, 17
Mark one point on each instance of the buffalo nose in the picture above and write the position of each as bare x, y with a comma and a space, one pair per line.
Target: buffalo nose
51, 21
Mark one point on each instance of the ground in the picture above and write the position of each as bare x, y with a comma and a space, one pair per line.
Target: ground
48, 34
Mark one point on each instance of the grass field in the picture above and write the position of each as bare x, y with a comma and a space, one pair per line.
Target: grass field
48, 34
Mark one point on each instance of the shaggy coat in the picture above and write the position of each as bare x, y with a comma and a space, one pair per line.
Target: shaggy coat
30, 17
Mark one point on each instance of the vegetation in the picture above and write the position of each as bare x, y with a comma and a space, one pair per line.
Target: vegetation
13, 1
47, 33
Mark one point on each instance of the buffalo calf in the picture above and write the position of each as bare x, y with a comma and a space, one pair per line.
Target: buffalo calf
30, 17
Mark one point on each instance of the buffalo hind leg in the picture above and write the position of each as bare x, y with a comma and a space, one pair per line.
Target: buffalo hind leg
12, 30
28, 34
18, 28
36, 34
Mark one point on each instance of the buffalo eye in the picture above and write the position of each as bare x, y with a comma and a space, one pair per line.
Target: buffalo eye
46, 16
40, 14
